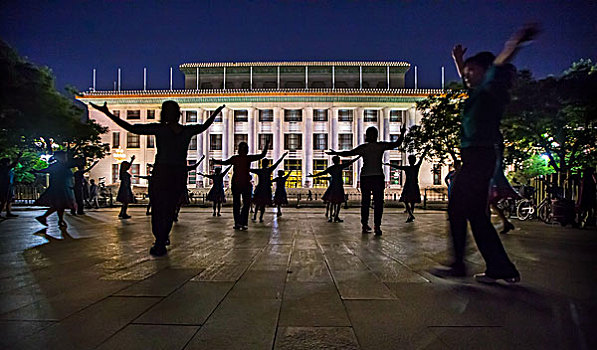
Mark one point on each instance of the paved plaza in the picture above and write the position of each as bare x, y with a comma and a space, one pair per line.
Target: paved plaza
295, 282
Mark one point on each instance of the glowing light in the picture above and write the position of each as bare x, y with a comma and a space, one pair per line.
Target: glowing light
545, 157
119, 155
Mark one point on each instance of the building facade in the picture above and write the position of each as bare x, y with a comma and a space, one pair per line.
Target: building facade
304, 108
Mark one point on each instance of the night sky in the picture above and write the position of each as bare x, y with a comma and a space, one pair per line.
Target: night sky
73, 37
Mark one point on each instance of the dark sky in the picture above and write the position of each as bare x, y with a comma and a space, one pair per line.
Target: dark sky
73, 37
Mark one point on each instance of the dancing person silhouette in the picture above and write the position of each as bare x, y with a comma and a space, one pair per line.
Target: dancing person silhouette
280, 196
7, 184
184, 199
125, 193
489, 79
59, 196
241, 182
93, 194
372, 177
169, 176
216, 193
262, 196
335, 195
79, 188
411, 194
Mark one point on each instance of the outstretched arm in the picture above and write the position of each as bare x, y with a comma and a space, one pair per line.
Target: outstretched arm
287, 175
396, 166
423, 155
398, 142
91, 167
326, 171
255, 157
222, 162
349, 163
458, 56
275, 165
134, 128
513, 45
226, 171
350, 153
194, 166
199, 128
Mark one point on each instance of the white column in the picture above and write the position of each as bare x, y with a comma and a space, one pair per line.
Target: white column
255, 143
384, 118
250, 132
333, 135
277, 132
308, 146
205, 134
227, 133
359, 139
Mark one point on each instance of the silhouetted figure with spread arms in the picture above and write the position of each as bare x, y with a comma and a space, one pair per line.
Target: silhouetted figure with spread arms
372, 176
411, 194
241, 182
79, 189
59, 196
184, 199
263, 191
216, 193
280, 196
489, 79
335, 193
125, 192
169, 176
7, 183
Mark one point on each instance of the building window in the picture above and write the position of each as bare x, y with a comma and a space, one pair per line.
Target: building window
133, 114
135, 170
320, 115
192, 175
370, 115
437, 174
115, 139
150, 141
218, 117
293, 115
193, 143
345, 141
115, 173
190, 116
295, 167
241, 115
396, 116
150, 114
293, 142
215, 142
116, 113
320, 142
132, 140
263, 138
238, 138
345, 115
347, 175
319, 165
395, 174
266, 115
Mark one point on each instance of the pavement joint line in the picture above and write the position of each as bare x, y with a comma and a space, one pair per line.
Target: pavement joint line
293, 245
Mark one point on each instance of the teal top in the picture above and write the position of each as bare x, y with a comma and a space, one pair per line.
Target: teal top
484, 109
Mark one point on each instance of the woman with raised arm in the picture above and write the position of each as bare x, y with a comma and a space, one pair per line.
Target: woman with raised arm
241, 182
125, 193
280, 196
79, 189
411, 194
169, 176
335, 195
59, 196
216, 193
372, 176
489, 79
263, 191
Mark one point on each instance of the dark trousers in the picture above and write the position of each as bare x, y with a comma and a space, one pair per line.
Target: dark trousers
468, 202
168, 186
372, 185
241, 214
79, 199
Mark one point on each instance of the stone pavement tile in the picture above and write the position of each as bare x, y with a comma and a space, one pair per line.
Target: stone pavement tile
223, 272
392, 271
90, 327
139, 271
308, 266
143, 337
360, 285
312, 304
260, 285
60, 306
191, 304
239, 324
390, 324
13, 331
474, 337
344, 262
272, 258
160, 284
308, 338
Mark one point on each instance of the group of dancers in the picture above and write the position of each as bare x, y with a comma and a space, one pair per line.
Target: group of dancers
488, 78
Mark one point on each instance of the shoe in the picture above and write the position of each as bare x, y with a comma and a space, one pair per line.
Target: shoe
214, 214
377, 231
507, 228
125, 216
237, 227
42, 220
330, 219
484, 278
158, 250
338, 220
62, 224
449, 271
279, 214
366, 229
146, 213
11, 215
261, 221
167, 242
219, 214
410, 219
244, 228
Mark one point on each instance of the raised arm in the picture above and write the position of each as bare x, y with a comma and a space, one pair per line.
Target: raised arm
287, 175
194, 166
132, 159
134, 128
513, 45
458, 56
399, 140
199, 128
275, 165
91, 167
255, 157
423, 155
226, 171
